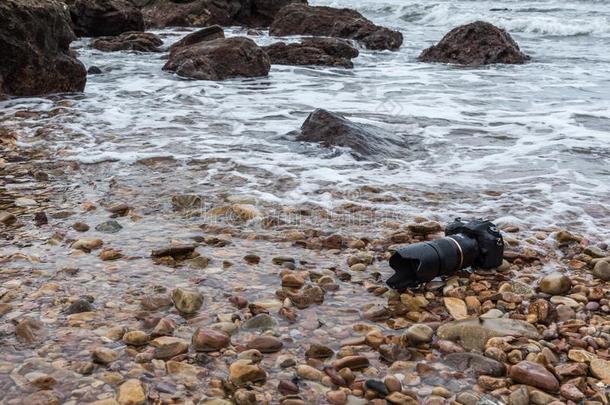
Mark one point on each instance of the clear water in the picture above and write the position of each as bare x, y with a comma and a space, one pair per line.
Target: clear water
527, 144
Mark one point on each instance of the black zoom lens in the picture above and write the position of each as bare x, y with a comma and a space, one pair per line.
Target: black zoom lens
421, 262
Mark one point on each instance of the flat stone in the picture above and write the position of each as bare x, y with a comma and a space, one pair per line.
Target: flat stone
265, 344
351, 362
456, 307
479, 364
601, 369
131, 392
473, 334
260, 322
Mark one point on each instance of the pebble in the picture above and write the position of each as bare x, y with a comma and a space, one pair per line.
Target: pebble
210, 340
260, 322
601, 369
456, 307
534, 374
555, 284
351, 362
293, 280
377, 386
336, 397
419, 333
265, 344
103, 355
309, 373
136, 338
187, 301
131, 392
601, 270
78, 306
318, 351
111, 226
242, 372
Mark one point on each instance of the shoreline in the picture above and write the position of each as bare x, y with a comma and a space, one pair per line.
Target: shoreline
308, 285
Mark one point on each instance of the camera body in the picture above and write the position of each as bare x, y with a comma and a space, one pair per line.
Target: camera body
488, 237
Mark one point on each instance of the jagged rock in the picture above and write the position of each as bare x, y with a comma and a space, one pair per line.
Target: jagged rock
474, 44
35, 39
98, 18
302, 19
330, 129
129, 41
312, 51
220, 59
197, 13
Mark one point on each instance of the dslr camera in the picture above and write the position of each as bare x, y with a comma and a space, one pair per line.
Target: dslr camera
477, 243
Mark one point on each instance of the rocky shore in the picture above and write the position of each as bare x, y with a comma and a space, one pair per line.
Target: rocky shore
121, 285
110, 296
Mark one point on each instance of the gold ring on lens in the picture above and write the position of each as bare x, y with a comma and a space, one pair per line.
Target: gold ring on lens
460, 249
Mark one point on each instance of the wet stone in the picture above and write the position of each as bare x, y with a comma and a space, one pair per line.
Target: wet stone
377, 386
131, 392
78, 306
351, 362
111, 226
601, 270
209, 340
260, 322
187, 301
527, 372
265, 344
480, 365
80, 227
419, 333
555, 284
103, 355
243, 372
318, 351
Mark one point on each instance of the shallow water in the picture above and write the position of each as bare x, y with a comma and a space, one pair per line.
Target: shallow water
525, 144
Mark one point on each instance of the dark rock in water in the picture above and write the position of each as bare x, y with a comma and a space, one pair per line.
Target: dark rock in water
40, 218
175, 251
475, 44
313, 51
202, 35
111, 226
220, 59
35, 38
480, 365
332, 129
98, 18
377, 386
94, 70
301, 19
262, 12
129, 41
78, 306
198, 13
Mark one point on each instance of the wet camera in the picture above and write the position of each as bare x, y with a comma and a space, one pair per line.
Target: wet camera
477, 243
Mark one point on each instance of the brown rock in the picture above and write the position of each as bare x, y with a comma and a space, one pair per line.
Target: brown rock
96, 18
131, 392
474, 44
351, 362
31, 66
129, 41
202, 35
318, 351
30, 330
555, 284
534, 374
243, 372
103, 355
312, 51
265, 344
136, 338
210, 340
187, 301
220, 59
302, 19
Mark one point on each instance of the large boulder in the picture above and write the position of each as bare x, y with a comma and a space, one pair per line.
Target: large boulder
475, 44
313, 51
35, 38
197, 13
129, 41
219, 59
99, 18
365, 141
301, 19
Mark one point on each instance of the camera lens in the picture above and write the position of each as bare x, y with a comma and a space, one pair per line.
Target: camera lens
422, 262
